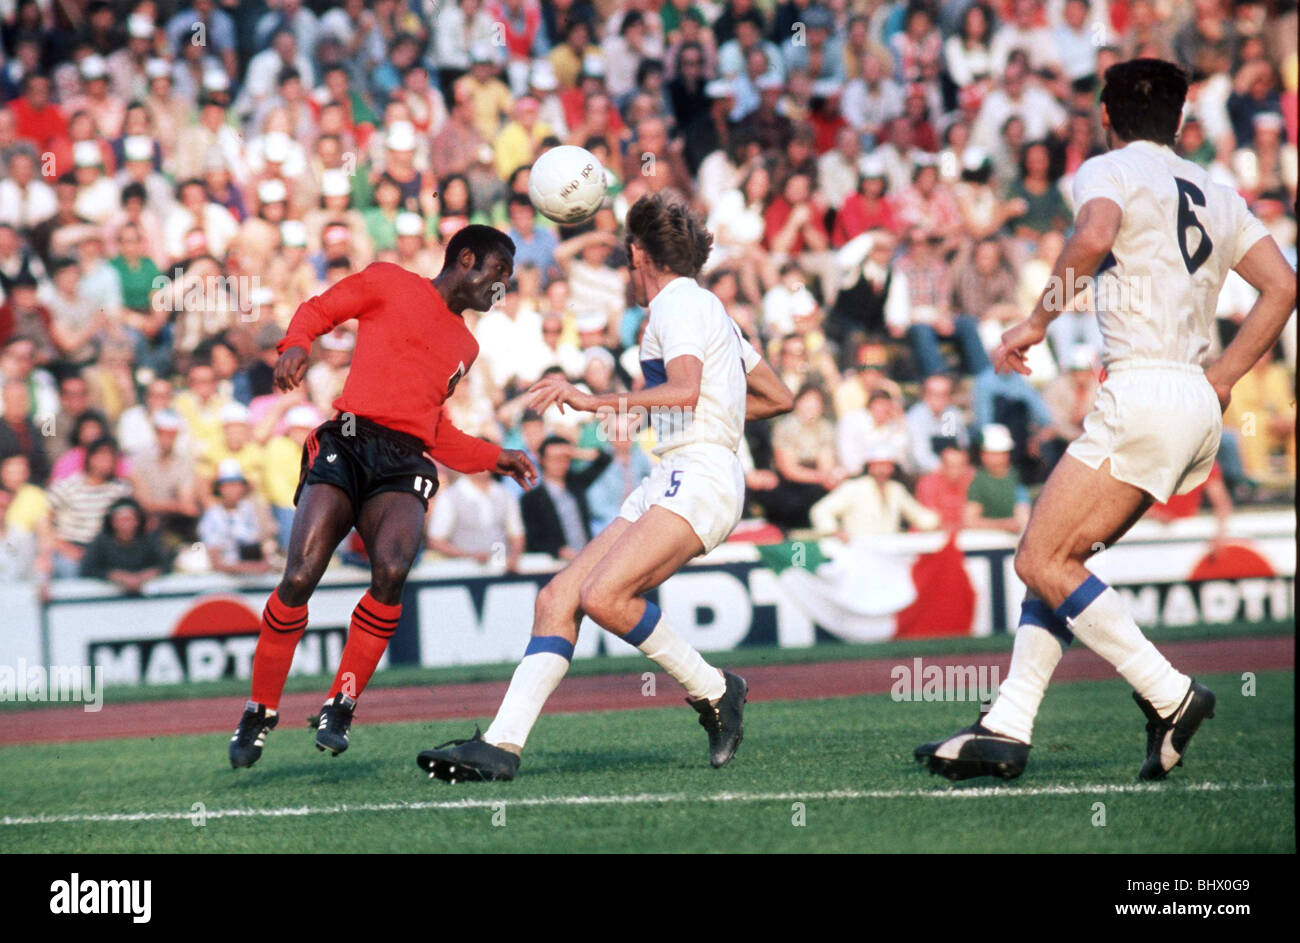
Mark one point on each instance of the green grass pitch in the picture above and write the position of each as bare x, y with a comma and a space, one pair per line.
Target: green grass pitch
827, 775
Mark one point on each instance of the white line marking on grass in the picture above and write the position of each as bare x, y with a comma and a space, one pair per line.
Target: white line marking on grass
982, 792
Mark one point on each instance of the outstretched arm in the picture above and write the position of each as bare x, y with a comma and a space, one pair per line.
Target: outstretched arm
680, 390
349, 298
1095, 229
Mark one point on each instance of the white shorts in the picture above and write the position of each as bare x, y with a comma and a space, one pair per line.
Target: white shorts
702, 483
1158, 423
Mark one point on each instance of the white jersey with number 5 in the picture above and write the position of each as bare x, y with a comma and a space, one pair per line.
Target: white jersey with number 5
1181, 234
699, 476
686, 319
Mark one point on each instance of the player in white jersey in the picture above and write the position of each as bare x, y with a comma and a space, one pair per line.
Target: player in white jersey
703, 380
1162, 237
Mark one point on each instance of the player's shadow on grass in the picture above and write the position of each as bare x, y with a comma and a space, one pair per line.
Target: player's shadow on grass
308, 771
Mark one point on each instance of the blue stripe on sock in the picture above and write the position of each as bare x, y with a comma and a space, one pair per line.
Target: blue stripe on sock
1080, 599
1036, 612
649, 619
550, 643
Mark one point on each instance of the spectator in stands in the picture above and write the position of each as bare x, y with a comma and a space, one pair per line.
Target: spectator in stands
1262, 418
17, 545
996, 500
125, 553
803, 452
1010, 400
872, 503
557, 518
624, 475
233, 528
476, 517
1069, 398
79, 503
18, 434
928, 316
934, 423
944, 490
90, 426
164, 482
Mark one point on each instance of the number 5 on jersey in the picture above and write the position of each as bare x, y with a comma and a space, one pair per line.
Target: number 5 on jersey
674, 482
424, 485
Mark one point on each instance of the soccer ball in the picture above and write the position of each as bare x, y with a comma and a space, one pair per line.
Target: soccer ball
567, 184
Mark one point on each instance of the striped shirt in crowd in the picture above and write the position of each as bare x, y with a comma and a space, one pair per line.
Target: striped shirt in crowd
79, 505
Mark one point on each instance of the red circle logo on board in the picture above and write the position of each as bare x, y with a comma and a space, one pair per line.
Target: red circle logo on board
218, 615
1232, 562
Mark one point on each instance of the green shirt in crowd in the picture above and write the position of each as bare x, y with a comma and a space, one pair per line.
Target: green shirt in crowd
997, 497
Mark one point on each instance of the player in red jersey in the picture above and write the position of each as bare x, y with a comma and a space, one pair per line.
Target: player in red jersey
372, 465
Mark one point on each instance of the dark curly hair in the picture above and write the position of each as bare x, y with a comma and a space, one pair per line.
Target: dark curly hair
670, 233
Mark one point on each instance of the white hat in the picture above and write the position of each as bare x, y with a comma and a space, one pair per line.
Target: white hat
974, 158
302, 417
768, 82
233, 412
165, 420
592, 354
336, 340
138, 147
410, 224
293, 233
802, 304
591, 321
86, 154
157, 68
872, 166
593, 64
542, 76
275, 147
215, 80
272, 190
139, 26
93, 67
335, 183
401, 136
1082, 357
482, 52
996, 438
229, 470
881, 450
261, 295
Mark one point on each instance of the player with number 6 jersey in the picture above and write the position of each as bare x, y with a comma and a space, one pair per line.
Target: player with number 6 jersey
1162, 237
702, 381
372, 466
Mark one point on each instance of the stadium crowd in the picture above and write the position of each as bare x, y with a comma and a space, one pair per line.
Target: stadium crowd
888, 185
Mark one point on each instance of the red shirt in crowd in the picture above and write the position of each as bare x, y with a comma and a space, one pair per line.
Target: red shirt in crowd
775, 217
939, 494
38, 125
856, 217
411, 352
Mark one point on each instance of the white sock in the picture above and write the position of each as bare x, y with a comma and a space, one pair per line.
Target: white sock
545, 663
1099, 618
657, 640
1033, 659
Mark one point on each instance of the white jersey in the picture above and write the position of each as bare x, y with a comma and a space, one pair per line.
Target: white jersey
1180, 236
686, 319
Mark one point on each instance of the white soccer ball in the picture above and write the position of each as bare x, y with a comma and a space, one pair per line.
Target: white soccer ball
567, 184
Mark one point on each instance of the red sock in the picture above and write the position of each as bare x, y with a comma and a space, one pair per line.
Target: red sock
373, 624
282, 628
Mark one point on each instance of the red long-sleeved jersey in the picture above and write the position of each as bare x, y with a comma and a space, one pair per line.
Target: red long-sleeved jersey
411, 352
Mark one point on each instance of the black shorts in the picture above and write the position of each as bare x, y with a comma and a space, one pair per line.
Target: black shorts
365, 459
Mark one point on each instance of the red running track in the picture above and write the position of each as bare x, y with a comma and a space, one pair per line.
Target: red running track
479, 700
